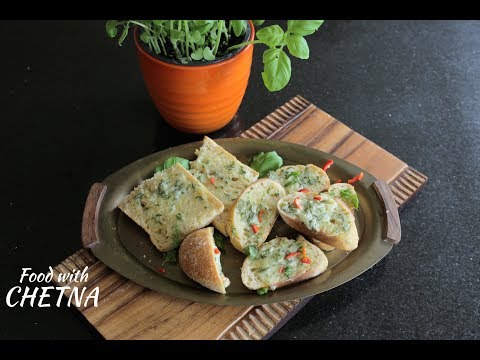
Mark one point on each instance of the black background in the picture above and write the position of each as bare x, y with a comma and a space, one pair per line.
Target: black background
73, 109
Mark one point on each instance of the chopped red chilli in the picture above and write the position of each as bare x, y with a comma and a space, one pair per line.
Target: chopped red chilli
327, 164
291, 255
296, 202
356, 178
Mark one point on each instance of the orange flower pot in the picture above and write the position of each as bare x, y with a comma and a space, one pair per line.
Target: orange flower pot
195, 98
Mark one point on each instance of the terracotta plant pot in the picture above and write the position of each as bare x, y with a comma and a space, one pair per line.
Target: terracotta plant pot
196, 98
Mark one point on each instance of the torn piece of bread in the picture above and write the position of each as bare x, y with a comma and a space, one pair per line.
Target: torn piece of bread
199, 258
253, 214
323, 217
171, 205
346, 192
281, 262
296, 177
222, 174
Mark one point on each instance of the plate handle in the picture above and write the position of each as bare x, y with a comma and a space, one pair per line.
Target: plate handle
392, 219
90, 214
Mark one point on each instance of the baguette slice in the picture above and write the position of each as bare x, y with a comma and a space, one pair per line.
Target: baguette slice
271, 269
322, 245
296, 177
222, 174
253, 214
346, 193
171, 205
328, 220
199, 258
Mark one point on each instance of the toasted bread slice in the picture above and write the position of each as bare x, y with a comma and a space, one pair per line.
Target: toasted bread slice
348, 195
322, 245
296, 177
323, 217
346, 192
252, 216
199, 258
171, 205
222, 174
279, 263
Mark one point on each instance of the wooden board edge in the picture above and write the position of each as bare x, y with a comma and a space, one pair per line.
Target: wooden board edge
284, 115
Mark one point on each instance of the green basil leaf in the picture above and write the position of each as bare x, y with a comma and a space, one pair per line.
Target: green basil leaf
158, 22
197, 54
258, 22
277, 71
270, 55
239, 27
207, 54
304, 27
263, 163
298, 47
262, 291
271, 35
172, 161
350, 197
251, 251
111, 28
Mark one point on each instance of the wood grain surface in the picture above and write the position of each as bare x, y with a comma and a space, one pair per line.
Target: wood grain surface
129, 311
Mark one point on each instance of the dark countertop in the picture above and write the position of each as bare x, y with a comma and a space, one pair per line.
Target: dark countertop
72, 101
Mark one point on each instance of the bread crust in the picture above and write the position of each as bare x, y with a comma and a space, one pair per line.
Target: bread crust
162, 235
347, 241
318, 266
322, 245
238, 242
196, 258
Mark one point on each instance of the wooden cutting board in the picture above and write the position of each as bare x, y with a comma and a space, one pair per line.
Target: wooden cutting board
129, 311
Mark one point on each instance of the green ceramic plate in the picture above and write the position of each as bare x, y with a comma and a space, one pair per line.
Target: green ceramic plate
126, 248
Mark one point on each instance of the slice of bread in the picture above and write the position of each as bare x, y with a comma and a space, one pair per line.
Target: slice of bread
323, 217
171, 205
322, 245
346, 192
296, 177
199, 258
252, 216
222, 174
348, 195
277, 264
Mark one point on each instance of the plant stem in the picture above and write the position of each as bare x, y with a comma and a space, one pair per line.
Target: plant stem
181, 43
187, 38
225, 31
244, 44
139, 24
163, 45
219, 35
